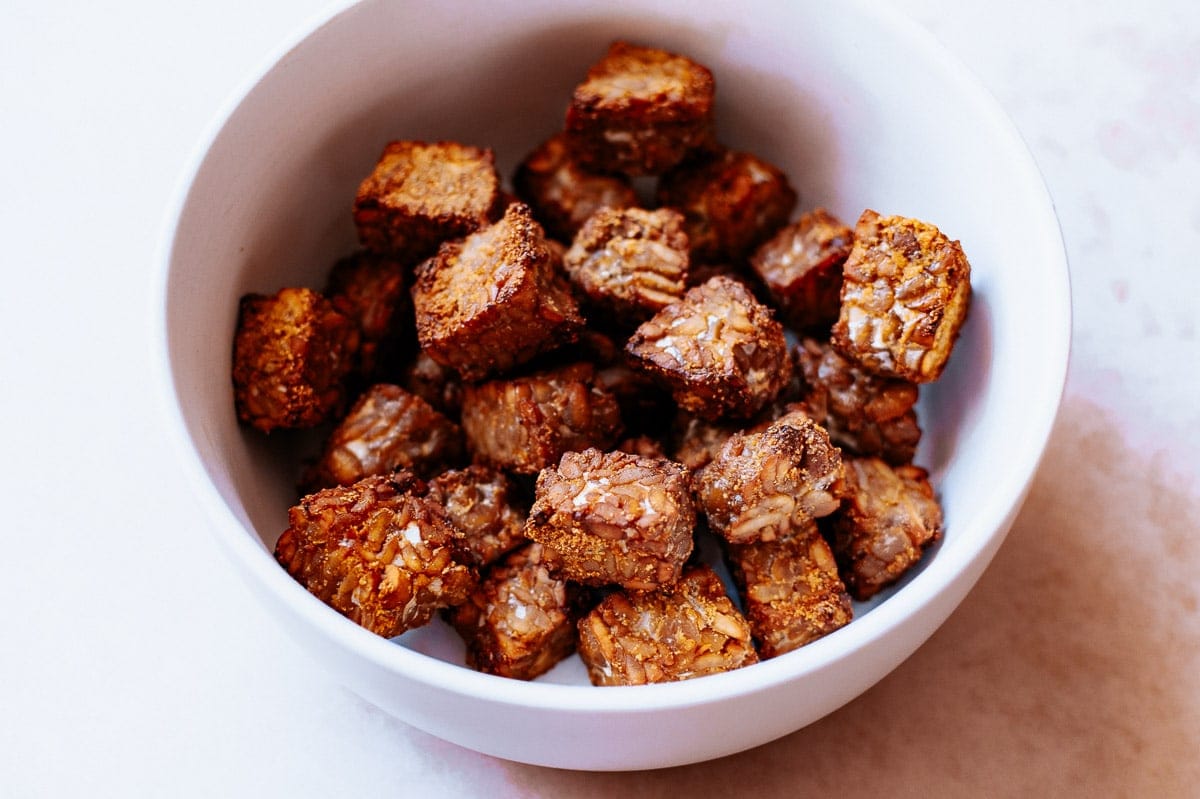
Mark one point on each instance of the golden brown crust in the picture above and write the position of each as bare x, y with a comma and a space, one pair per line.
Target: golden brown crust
801, 269
689, 630
291, 354
905, 293
495, 299
640, 111
420, 194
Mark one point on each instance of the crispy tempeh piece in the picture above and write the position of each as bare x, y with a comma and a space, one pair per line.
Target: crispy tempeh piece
291, 354
525, 424
438, 385
420, 194
562, 193
372, 290
731, 202
378, 555
865, 413
484, 505
614, 518
640, 111
771, 484
906, 290
791, 590
888, 519
801, 268
495, 299
689, 630
719, 350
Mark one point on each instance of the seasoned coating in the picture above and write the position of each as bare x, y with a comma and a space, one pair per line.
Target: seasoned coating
731, 203
801, 268
614, 519
420, 194
888, 519
630, 263
381, 557
719, 350
485, 506
905, 293
640, 111
371, 289
865, 413
388, 428
562, 193
521, 620
495, 299
773, 484
790, 589
438, 385
291, 354
526, 423
689, 630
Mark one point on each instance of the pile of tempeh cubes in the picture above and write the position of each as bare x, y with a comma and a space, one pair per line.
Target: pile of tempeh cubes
535, 402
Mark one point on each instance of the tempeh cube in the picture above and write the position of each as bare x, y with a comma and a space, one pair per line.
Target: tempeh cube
562, 193
888, 519
719, 350
438, 385
691, 629
865, 413
630, 263
640, 111
525, 424
773, 484
696, 441
801, 268
371, 289
521, 620
381, 557
614, 518
292, 353
731, 203
388, 428
485, 506
790, 589
906, 289
495, 299
420, 194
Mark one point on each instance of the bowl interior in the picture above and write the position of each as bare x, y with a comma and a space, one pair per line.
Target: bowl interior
860, 109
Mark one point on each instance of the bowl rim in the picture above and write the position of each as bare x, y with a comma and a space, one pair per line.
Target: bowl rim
259, 569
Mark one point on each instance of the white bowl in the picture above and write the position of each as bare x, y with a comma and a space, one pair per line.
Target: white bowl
860, 107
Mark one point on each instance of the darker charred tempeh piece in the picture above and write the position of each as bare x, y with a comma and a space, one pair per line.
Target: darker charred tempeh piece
614, 518
372, 290
801, 268
484, 505
689, 630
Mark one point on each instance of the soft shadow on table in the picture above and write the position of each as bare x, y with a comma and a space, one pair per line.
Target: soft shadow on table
1071, 669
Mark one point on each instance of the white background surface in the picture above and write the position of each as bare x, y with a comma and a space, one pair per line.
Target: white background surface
133, 663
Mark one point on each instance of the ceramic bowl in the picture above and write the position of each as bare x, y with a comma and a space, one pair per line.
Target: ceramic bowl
859, 106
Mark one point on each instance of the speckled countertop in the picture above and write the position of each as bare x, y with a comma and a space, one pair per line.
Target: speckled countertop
1073, 669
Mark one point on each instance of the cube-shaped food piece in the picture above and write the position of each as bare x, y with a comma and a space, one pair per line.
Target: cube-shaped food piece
865, 413
614, 519
731, 203
801, 268
640, 111
388, 428
888, 519
719, 350
486, 507
438, 385
906, 289
291, 354
773, 484
420, 194
695, 441
630, 263
689, 630
526, 423
381, 557
790, 589
562, 193
521, 620
495, 299
371, 289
